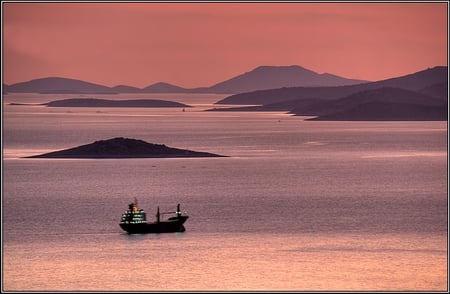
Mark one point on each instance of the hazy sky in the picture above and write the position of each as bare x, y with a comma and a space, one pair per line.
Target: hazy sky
201, 44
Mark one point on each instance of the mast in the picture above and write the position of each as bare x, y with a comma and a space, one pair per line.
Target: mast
157, 215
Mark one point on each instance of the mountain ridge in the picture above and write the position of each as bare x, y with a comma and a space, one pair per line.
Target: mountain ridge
262, 77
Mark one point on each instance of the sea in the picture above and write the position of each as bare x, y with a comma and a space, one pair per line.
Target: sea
295, 206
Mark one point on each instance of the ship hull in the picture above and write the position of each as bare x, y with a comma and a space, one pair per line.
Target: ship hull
171, 225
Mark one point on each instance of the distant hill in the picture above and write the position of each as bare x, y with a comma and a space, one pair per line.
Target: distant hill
126, 89
163, 88
414, 82
271, 77
263, 77
123, 148
93, 102
58, 86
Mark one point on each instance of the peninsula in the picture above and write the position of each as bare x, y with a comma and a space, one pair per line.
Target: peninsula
124, 148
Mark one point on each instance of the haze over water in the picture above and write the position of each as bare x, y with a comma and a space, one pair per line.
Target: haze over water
299, 205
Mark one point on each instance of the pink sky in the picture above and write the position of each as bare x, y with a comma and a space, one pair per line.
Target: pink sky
201, 44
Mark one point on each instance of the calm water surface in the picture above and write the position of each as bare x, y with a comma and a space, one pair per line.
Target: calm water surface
297, 206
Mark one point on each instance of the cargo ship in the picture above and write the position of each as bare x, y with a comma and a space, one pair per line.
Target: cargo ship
134, 221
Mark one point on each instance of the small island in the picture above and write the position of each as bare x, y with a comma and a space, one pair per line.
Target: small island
124, 148
94, 102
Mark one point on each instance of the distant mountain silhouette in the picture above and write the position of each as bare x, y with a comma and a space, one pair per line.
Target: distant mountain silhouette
414, 82
93, 102
271, 77
123, 148
263, 77
126, 89
58, 86
163, 88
